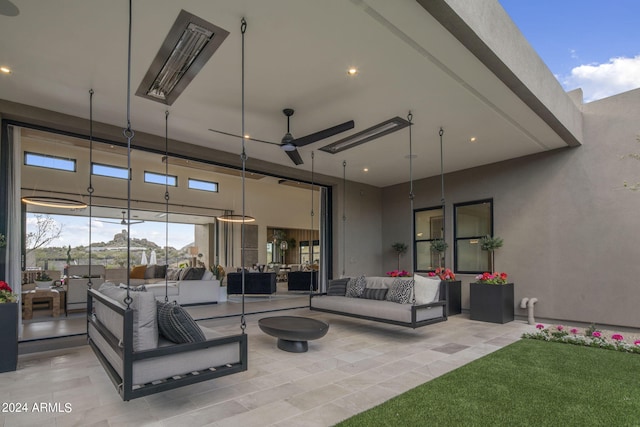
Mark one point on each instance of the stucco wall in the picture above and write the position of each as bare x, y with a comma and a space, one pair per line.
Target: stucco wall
568, 224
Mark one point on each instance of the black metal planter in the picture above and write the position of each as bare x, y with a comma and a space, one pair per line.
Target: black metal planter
9, 336
492, 303
454, 297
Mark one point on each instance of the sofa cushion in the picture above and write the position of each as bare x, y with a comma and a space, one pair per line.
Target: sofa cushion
145, 325
355, 287
160, 272
173, 273
208, 275
176, 325
137, 272
401, 291
426, 289
375, 293
337, 287
193, 273
150, 272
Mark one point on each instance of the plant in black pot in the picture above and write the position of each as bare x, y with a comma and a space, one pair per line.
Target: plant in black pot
491, 298
9, 322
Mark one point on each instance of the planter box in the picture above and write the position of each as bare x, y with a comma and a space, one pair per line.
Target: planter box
9, 336
492, 303
454, 297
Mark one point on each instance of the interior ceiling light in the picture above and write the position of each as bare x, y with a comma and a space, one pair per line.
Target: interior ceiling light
5, 70
235, 218
352, 71
473, 139
53, 202
188, 46
376, 131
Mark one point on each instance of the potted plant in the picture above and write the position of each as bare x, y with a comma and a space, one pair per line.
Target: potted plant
454, 289
43, 280
400, 249
490, 244
9, 322
491, 298
439, 246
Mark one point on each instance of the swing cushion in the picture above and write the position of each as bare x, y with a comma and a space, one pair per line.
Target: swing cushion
176, 325
145, 325
426, 289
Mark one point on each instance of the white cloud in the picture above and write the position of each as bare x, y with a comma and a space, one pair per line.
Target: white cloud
602, 80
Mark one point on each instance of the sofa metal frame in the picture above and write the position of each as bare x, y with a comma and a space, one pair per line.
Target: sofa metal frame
442, 302
124, 350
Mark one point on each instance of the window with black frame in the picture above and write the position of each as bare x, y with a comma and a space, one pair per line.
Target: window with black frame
428, 225
471, 222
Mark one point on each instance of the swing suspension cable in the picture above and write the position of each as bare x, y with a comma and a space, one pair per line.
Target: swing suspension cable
90, 187
166, 205
344, 217
411, 195
311, 230
243, 157
129, 134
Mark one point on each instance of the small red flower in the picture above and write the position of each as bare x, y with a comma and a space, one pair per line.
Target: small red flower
617, 337
4, 286
539, 326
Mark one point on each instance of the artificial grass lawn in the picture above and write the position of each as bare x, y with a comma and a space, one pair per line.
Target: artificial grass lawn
528, 383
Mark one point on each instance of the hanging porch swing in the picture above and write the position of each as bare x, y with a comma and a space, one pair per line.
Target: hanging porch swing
123, 324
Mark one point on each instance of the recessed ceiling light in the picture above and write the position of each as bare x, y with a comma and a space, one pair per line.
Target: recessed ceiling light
365, 170
352, 71
5, 70
472, 139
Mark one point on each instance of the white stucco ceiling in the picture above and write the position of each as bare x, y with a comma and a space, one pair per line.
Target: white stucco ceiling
297, 54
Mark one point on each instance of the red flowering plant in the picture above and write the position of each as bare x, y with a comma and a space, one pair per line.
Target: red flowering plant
492, 278
398, 273
443, 274
6, 293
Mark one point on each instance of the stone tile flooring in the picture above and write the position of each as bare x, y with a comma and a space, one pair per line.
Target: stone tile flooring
356, 366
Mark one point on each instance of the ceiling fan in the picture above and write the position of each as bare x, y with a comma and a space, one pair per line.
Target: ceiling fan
123, 222
290, 144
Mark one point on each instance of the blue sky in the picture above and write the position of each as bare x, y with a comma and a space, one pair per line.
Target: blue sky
594, 45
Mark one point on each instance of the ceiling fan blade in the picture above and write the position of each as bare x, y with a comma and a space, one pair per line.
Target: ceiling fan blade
310, 139
238, 136
295, 157
109, 222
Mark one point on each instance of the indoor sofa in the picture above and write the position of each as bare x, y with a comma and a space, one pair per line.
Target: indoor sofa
184, 285
254, 283
301, 280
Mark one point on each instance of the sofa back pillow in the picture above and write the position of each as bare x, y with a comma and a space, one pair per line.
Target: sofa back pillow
193, 273
401, 291
145, 324
355, 287
376, 282
150, 272
337, 287
426, 289
160, 272
379, 294
137, 272
173, 273
208, 275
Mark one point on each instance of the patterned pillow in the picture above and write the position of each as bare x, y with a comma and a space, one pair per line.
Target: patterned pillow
401, 291
175, 324
375, 293
338, 287
355, 287
140, 288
